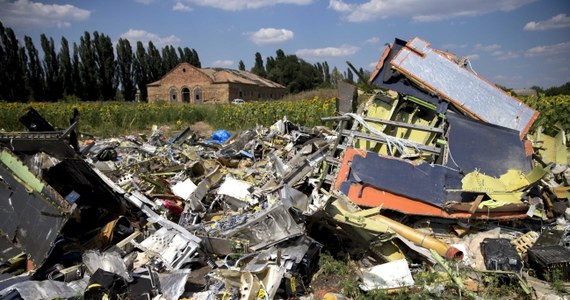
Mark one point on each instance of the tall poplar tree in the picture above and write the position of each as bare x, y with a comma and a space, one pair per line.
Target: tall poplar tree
65, 68
196, 59
76, 81
34, 74
327, 72
258, 68
105, 65
141, 70
126, 69
52, 85
169, 59
88, 69
12, 85
154, 62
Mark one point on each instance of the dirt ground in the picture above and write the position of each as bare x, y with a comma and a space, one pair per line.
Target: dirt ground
202, 129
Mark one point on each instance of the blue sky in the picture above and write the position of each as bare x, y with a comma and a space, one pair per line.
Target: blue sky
516, 43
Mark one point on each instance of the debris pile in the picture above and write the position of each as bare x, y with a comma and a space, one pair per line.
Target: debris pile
436, 171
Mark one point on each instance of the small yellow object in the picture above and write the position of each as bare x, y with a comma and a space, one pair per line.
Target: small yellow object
216, 218
293, 284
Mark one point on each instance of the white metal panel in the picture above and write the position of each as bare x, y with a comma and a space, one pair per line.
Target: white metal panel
462, 87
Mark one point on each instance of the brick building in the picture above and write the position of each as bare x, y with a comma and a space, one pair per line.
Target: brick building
188, 84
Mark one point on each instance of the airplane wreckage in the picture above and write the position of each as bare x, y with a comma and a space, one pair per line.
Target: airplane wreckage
437, 167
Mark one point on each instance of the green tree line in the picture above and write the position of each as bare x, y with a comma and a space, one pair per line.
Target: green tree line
298, 75
96, 69
564, 89
93, 69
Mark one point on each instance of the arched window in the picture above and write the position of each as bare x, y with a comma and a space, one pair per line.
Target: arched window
198, 95
185, 95
172, 94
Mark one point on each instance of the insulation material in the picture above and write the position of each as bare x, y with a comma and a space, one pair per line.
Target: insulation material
390, 275
236, 189
184, 189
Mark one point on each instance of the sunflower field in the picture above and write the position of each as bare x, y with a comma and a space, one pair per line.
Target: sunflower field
116, 118
554, 111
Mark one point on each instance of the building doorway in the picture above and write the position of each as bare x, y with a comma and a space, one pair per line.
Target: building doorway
185, 95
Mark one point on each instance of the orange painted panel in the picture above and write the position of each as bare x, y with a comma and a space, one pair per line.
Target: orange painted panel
373, 197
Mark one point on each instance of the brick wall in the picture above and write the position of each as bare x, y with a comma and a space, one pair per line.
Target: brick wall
185, 76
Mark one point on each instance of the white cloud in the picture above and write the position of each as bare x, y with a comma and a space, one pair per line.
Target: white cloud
372, 40
549, 50
473, 56
134, 35
556, 22
372, 65
453, 46
340, 6
500, 77
487, 48
559, 60
146, 2
245, 4
271, 36
511, 81
223, 63
344, 50
37, 14
179, 6
502, 55
421, 10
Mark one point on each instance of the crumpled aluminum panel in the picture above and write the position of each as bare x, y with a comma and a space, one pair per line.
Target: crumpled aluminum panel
437, 72
267, 228
171, 246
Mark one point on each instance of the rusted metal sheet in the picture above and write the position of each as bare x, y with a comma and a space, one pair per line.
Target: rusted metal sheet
440, 72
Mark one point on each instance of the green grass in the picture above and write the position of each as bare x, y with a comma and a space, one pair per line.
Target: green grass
556, 281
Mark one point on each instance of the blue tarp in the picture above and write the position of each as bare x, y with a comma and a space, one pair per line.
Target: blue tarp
219, 136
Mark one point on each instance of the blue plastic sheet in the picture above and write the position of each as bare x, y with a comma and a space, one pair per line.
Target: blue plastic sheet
220, 136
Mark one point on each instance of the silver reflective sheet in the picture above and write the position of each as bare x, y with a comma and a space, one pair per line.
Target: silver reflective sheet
462, 87
172, 285
47, 289
106, 261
